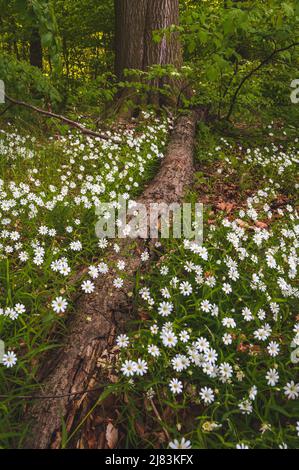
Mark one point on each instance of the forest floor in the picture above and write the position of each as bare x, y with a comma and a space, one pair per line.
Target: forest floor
209, 359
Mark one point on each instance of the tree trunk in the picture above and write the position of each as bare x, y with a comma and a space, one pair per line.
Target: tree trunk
36, 51
129, 37
136, 20
101, 316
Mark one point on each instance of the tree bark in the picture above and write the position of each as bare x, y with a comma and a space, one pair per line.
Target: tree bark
161, 14
101, 316
136, 20
130, 18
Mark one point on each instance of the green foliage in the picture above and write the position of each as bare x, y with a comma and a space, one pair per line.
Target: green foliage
46, 21
225, 44
86, 30
25, 82
20, 17
97, 94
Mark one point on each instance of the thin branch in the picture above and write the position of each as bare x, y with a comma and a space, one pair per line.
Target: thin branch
6, 109
182, 89
252, 72
64, 119
159, 418
231, 79
226, 90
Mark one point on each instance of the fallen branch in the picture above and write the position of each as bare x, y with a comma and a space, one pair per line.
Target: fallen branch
64, 119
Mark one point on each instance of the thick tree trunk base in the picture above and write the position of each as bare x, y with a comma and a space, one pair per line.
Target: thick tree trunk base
99, 317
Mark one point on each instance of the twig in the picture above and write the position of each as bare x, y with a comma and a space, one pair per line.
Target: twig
64, 119
159, 418
6, 109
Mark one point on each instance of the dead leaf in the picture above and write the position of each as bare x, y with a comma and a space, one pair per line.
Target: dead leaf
161, 437
242, 347
111, 436
255, 350
101, 442
225, 206
113, 378
261, 224
140, 429
143, 315
242, 223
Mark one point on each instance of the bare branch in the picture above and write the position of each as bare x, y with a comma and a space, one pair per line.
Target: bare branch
64, 119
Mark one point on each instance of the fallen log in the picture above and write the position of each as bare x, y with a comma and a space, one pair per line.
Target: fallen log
100, 316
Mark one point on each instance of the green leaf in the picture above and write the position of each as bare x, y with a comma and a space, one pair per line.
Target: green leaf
288, 9
212, 73
47, 39
203, 36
